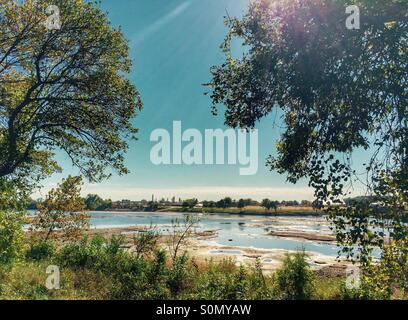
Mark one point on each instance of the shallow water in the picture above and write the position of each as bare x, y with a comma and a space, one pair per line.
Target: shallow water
232, 230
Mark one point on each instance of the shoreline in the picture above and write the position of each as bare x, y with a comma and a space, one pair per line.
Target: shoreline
303, 235
232, 213
202, 247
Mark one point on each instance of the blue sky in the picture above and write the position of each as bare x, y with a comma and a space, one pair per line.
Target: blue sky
173, 45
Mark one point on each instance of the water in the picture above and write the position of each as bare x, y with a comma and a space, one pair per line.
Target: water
245, 231
225, 251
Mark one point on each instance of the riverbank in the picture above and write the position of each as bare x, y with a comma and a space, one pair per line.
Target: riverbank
203, 247
243, 238
250, 210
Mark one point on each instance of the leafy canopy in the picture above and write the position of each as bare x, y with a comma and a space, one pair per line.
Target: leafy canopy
338, 90
62, 211
63, 89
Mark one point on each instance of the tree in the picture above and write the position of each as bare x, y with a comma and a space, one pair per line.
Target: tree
180, 233
221, 204
338, 90
228, 202
274, 205
190, 203
11, 237
241, 203
267, 204
306, 203
63, 89
209, 204
63, 210
152, 206
14, 197
224, 203
295, 279
95, 202
145, 241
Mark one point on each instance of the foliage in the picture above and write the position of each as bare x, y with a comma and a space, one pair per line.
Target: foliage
153, 276
268, 205
26, 281
241, 203
101, 268
360, 201
381, 280
178, 274
11, 237
63, 89
145, 241
338, 90
13, 201
228, 202
40, 250
95, 202
295, 279
94, 253
62, 211
190, 203
225, 281
13, 195
224, 203
152, 206
180, 233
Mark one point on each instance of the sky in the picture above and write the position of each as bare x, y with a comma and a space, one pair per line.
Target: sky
173, 44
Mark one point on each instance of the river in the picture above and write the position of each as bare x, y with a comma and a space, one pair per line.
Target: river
232, 230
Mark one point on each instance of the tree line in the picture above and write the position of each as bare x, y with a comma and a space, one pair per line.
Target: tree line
92, 202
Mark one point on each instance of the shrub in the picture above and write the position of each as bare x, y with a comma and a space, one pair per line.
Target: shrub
11, 237
139, 278
178, 274
97, 253
41, 250
63, 210
145, 242
257, 287
83, 254
226, 281
295, 279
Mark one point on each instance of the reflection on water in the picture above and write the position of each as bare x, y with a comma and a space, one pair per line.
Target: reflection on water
232, 230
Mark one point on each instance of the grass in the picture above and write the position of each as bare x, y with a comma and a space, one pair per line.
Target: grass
26, 281
101, 269
328, 288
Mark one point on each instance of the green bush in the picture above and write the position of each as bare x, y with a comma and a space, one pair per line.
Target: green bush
259, 285
178, 274
96, 253
41, 250
11, 237
141, 279
295, 280
78, 255
226, 281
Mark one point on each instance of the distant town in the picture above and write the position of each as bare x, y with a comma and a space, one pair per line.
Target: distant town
225, 203
93, 202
